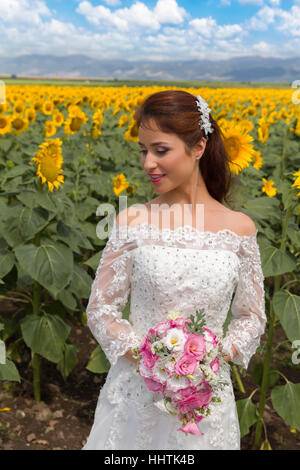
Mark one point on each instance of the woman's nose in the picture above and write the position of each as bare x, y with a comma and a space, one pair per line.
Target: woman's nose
149, 162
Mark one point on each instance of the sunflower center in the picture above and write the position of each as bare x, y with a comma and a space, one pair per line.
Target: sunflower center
48, 168
17, 123
76, 124
2, 123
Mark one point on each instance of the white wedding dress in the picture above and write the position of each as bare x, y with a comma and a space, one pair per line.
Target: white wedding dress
167, 270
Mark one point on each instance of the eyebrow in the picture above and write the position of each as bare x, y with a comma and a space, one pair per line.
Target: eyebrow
154, 143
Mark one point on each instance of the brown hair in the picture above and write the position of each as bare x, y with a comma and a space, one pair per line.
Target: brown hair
176, 112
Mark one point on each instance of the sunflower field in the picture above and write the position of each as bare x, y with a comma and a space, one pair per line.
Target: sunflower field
64, 150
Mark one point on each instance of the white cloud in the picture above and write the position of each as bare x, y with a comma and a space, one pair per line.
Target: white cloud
138, 16
263, 18
207, 27
23, 12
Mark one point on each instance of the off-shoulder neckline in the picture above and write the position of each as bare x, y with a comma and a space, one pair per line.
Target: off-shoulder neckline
191, 228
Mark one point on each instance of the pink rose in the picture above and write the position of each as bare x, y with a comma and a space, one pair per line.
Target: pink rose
215, 365
195, 346
186, 365
190, 428
153, 385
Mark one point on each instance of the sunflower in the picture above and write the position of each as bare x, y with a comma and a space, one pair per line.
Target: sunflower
48, 107
19, 107
50, 128
297, 181
258, 160
75, 121
30, 114
268, 188
238, 146
263, 130
132, 132
5, 125
58, 118
120, 183
19, 124
49, 161
123, 120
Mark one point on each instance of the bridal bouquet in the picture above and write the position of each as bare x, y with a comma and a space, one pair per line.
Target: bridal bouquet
180, 359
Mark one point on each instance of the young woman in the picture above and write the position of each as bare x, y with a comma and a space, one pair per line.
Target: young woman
199, 259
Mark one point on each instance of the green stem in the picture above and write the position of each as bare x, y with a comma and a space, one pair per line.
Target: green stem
285, 140
238, 379
36, 364
36, 358
13, 299
269, 349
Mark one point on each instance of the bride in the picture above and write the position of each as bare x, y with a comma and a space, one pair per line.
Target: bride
204, 257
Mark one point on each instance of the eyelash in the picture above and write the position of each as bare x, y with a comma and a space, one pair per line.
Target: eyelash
161, 152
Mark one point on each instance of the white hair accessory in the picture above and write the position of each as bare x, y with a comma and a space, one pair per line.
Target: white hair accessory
204, 111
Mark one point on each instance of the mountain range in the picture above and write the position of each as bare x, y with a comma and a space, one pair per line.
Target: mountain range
238, 69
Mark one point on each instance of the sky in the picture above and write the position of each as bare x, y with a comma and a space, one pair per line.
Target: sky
156, 30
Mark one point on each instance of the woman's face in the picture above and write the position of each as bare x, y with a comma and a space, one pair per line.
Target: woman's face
164, 154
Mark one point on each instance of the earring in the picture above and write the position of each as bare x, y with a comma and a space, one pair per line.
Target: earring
197, 158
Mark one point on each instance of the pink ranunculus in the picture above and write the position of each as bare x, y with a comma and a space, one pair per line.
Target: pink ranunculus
215, 364
190, 428
187, 391
197, 400
195, 346
153, 385
148, 357
213, 337
186, 365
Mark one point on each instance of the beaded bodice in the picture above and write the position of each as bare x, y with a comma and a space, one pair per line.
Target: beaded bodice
183, 270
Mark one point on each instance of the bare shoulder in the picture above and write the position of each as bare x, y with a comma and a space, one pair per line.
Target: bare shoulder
243, 224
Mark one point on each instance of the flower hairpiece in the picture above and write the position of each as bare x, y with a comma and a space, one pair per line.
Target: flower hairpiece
204, 112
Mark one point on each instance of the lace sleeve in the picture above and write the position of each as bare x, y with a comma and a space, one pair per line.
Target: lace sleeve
248, 306
109, 294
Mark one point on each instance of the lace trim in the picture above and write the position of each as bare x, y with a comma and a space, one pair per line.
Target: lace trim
185, 230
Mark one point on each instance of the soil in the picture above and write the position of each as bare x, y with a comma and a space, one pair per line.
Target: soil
64, 417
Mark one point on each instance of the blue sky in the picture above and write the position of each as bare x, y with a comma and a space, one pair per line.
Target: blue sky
157, 30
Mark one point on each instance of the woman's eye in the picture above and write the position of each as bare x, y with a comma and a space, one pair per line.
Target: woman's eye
160, 152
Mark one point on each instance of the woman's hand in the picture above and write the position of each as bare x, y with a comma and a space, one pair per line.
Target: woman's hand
228, 358
130, 356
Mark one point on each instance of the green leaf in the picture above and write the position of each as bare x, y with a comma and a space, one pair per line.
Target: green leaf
264, 207
81, 282
8, 371
247, 413
287, 308
98, 363
23, 223
286, 402
51, 264
45, 335
68, 360
276, 261
7, 261
94, 260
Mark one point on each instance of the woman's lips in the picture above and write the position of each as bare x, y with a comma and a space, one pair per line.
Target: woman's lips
156, 179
